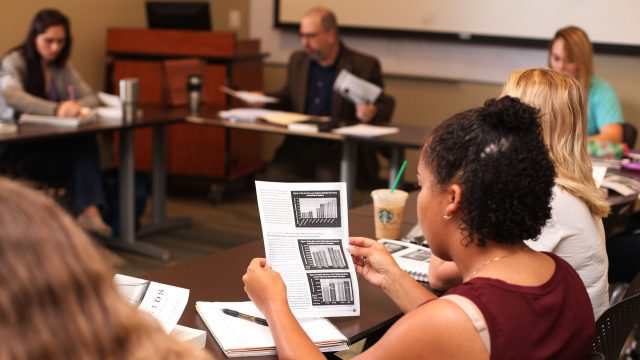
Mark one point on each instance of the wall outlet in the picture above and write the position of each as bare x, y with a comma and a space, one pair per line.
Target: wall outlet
235, 19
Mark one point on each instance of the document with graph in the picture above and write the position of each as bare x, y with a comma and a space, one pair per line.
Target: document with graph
306, 234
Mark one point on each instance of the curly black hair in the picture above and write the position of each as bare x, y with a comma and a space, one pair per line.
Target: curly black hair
498, 156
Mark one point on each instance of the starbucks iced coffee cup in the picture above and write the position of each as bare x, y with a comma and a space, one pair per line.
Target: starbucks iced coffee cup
388, 209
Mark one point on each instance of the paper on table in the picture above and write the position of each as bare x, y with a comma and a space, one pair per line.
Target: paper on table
109, 100
365, 130
598, 173
306, 235
249, 97
284, 118
196, 337
6, 128
412, 258
238, 337
87, 116
355, 89
244, 114
164, 302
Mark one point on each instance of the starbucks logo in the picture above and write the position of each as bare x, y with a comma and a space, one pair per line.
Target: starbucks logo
385, 216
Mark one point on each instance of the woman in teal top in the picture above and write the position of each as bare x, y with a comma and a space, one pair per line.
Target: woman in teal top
571, 52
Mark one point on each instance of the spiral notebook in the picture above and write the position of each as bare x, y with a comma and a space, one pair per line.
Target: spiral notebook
412, 258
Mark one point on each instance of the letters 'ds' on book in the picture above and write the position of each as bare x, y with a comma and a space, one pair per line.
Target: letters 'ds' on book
238, 337
412, 258
306, 235
164, 302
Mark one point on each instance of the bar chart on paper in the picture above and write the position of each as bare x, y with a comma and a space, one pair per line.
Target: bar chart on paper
316, 208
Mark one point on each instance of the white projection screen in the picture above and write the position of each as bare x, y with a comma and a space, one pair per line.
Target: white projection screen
610, 24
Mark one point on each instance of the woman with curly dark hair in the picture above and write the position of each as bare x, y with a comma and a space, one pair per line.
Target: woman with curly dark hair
487, 180
575, 231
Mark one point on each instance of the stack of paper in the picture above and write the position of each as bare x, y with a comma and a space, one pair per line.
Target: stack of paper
164, 302
112, 108
238, 337
366, 130
87, 116
412, 258
249, 97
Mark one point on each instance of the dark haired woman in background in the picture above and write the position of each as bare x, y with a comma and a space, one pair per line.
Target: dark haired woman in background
37, 78
486, 180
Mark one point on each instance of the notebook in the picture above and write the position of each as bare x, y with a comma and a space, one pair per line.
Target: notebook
88, 116
238, 337
412, 258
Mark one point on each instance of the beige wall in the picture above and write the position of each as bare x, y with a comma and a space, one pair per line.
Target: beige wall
90, 20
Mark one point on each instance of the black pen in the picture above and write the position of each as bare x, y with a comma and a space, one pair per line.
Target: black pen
242, 316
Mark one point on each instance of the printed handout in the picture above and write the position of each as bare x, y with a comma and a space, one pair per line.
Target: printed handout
305, 231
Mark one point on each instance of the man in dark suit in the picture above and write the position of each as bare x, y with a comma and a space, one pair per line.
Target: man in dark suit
309, 89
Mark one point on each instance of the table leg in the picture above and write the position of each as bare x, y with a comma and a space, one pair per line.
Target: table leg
159, 221
348, 166
397, 157
127, 240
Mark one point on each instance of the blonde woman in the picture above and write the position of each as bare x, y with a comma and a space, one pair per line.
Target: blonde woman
575, 231
571, 52
58, 299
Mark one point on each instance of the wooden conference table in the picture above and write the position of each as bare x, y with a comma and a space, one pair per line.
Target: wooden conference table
407, 137
218, 277
156, 117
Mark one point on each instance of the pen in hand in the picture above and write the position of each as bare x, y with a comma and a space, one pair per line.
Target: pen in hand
240, 315
72, 92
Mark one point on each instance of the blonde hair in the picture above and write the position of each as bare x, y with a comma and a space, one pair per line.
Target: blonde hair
579, 50
58, 299
562, 107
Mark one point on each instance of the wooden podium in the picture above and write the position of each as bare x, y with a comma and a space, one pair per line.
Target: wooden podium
161, 60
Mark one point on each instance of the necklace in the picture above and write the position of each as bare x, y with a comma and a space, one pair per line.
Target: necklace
490, 261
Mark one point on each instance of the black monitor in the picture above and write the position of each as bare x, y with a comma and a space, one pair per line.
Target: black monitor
178, 15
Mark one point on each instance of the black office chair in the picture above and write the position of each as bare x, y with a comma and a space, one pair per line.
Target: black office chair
629, 135
615, 325
621, 211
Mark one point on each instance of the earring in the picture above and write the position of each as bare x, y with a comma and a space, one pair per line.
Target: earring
446, 217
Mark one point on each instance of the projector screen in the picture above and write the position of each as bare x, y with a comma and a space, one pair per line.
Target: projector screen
612, 24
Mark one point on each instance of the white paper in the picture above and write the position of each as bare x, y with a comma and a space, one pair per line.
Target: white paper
238, 337
186, 334
249, 97
305, 231
109, 100
622, 185
598, 173
412, 258
164, 302
87, 116
365, 130
355, 89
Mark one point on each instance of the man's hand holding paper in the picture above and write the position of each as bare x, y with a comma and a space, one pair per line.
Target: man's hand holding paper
355, 89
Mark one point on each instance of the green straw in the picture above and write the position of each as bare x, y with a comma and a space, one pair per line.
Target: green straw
399, 176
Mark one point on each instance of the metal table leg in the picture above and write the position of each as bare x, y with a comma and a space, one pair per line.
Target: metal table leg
127, 240
159, 221
348, 166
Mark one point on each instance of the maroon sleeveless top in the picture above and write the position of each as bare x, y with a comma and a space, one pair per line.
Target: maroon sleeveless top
551, 321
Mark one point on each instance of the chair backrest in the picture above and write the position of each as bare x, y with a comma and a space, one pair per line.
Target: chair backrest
621, 210
634, 287
614, 326
629, 135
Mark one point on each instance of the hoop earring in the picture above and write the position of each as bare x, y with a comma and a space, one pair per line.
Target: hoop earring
446, 217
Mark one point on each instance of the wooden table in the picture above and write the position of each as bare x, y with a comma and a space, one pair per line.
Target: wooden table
218, 277
156, 117
407, 137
